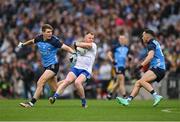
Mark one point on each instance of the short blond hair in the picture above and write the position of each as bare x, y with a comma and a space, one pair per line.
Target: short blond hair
90, 33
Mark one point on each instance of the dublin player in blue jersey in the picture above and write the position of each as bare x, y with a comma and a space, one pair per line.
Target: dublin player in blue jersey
156, 71
118, 56
48, 45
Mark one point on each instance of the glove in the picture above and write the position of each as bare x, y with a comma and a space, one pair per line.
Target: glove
20, 45
138, 68
73, 58
81, 51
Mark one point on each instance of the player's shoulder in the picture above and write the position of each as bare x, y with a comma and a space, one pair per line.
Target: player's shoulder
126, 46
94, 45
116, 45
55, 38
55, 41
151, 42
38, 38
151, 45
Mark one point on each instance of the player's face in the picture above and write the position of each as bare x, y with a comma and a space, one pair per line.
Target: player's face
144, 37
123, 40
47, 33
89, 38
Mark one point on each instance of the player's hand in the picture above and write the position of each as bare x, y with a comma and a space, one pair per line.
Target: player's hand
114, 62
138, 68
129, 58
75, 46
20, 45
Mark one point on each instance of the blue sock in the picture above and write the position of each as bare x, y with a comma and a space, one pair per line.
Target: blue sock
83, 101
56, 95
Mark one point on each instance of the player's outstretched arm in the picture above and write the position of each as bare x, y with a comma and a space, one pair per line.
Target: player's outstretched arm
67, 48
83, 45
29, 42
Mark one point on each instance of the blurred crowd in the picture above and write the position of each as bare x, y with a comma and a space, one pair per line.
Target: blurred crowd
21, 20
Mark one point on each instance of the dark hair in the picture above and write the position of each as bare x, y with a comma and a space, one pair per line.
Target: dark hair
149, 32
46, 26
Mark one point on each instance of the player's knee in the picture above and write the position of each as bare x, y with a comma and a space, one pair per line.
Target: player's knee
138, 84
141, 81
77, 83
66, 82
40, 83
42, 79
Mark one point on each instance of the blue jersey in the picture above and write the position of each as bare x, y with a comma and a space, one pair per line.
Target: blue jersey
158, 59
120, 53
48, 49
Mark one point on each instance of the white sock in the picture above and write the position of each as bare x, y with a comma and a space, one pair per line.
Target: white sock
130, 98
31, 103
154, 94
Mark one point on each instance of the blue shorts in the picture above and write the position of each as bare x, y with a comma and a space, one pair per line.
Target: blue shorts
53, 67
120, 70
78, 72
160, 73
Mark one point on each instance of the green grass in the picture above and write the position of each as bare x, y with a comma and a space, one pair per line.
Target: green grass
99, 110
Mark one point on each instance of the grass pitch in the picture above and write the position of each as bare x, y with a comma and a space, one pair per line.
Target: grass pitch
98, 110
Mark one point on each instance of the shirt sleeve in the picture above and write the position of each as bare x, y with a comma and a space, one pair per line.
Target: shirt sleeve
151, 46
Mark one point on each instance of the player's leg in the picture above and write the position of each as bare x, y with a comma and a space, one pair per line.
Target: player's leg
59, 83
69, 79
62, 85
53, 83
114, 88
79, 85
122, 85
120, 74
144, 81
115, 83
48, 74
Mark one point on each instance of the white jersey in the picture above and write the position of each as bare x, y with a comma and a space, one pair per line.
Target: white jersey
86, 61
